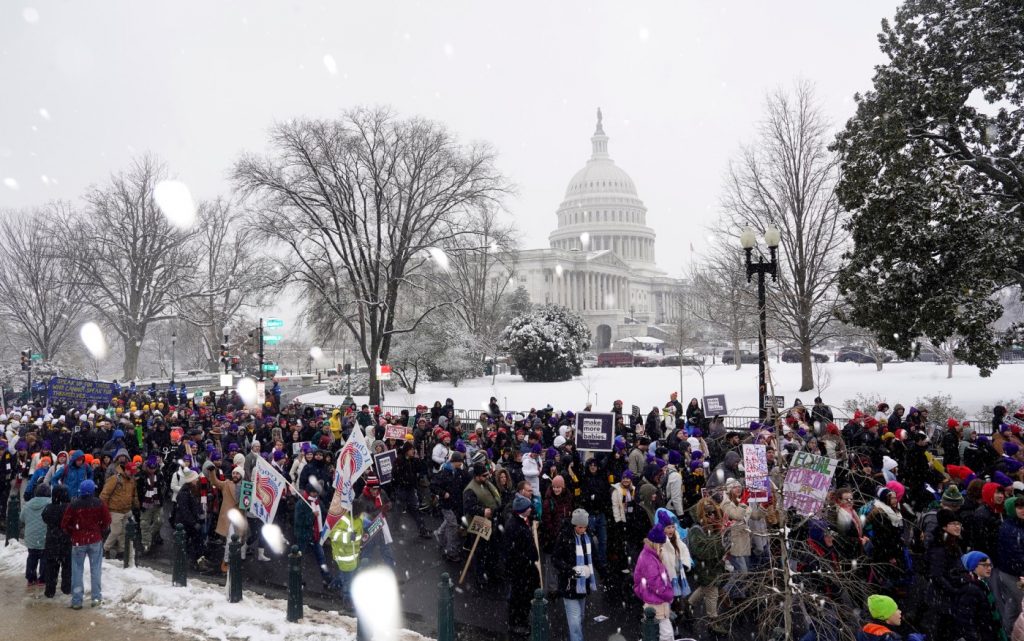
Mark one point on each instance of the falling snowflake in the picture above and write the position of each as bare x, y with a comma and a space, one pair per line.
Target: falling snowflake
330, 64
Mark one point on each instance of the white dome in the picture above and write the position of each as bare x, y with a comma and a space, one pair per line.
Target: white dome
600, 176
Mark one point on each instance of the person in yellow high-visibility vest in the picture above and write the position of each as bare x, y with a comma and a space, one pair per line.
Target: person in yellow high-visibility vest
346, 539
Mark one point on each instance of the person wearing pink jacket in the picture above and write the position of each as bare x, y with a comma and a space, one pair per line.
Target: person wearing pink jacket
651, 583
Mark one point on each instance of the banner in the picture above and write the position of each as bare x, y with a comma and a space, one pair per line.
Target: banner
755, 469
385, 464
714, 405
807, 482
395, 431
78, 393
268, 487
595, 431
353, 459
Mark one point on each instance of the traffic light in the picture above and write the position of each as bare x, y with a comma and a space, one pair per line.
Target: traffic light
26, 360
223, 353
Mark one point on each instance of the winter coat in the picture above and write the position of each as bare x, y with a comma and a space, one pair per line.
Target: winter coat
119, 494
187, 510
875, 631
637, 460
452, 482
57, 539
739, 531
976, 618
520, 555
596, 493
303, 522
556, 511
650, 579
1018, 625
945, 573
708, 552
228, 502
346, 539
531, 472
563, 557
1009, 555
35, 527
85, 520
951, 447
72, 475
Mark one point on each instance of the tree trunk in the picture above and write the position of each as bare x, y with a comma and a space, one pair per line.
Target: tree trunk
806, 368
374, 384
736, 352
131, 357
949, 368
878, 364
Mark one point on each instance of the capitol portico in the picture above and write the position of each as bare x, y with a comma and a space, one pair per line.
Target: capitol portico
601, 262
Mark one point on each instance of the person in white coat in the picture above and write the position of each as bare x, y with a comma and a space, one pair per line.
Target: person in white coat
442, 452
532, 468
674, 484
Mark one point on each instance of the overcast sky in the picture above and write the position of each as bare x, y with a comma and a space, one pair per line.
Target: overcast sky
84, 86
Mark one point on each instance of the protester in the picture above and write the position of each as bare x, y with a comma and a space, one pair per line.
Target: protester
58, 544
85, 521
573, 559
522, 564
35, 535
651, 583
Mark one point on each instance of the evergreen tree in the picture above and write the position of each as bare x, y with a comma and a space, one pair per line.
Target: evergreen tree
933, 178
547, 343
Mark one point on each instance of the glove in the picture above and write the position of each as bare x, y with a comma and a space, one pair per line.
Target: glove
916, 636
582, 571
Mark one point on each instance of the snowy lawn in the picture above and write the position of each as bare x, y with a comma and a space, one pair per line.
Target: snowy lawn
897, 383
200, 610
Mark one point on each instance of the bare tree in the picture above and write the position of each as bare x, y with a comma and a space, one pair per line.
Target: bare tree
787, 180
358, 204
232, 271
683, 333
135, 267
822, 378
722, 297
41, 291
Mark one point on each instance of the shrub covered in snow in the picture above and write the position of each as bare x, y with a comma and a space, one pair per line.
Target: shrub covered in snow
547, 344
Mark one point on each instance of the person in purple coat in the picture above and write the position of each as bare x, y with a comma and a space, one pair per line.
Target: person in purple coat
651, 583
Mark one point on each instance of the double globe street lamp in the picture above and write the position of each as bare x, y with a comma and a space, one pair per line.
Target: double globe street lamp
748, 239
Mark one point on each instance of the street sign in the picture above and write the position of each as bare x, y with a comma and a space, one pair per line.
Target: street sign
271, 323
37, 357
384, 373
778, 402
272, 339
270, 367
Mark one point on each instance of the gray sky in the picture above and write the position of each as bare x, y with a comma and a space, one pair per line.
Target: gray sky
681, 85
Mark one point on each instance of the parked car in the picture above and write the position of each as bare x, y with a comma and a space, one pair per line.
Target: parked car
615, 359
687, 360
746, 356
857, 354
793, 356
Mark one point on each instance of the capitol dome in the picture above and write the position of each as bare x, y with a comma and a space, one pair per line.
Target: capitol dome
602, 210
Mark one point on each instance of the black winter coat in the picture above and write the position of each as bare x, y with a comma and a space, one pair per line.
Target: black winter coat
453, 482
520, 555
56, 538
945, 573
976, 618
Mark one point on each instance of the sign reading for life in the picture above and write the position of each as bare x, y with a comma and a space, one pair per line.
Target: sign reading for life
481, 527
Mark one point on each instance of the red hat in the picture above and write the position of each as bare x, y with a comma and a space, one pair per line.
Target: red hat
858, 415
952, 422
959, 472
871, 421
372, 480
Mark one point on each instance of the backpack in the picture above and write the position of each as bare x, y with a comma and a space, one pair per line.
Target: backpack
661, 493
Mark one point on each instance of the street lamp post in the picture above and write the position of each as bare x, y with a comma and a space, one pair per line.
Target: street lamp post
748, 239
174, 340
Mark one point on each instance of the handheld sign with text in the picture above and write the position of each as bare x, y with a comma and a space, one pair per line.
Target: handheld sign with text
755, 469
245, 497
481, 527
297, 447
385, 464
807, 482
595, 431
395, 431
715, 405
373, 528
778, 402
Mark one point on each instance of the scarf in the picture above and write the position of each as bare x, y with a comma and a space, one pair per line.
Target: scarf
894, 517
583, 557
996, 617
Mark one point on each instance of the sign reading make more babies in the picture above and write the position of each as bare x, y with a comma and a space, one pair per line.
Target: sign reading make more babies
595, 431
807, 482
79, 393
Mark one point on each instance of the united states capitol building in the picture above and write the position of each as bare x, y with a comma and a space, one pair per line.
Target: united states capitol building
601, 261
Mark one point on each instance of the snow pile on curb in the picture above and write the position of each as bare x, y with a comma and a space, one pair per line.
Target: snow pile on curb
201, 610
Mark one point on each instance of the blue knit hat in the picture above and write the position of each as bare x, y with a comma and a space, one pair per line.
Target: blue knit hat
86, 487
971, 560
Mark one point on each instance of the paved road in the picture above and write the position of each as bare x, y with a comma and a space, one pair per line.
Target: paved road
480, 615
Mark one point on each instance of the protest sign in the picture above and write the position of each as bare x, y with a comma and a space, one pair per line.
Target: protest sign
268, 487
395, 431
714, 405
377, 525
353, 460
595, 431
755, 469
78, 393
480, 526
297, 447
807, 482
245, 496
385, 463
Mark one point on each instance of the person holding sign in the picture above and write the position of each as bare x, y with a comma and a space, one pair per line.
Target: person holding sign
521, 564
481, 498
573, 558
346, 537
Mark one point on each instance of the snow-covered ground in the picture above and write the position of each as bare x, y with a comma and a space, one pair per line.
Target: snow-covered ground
647, 387
201, 610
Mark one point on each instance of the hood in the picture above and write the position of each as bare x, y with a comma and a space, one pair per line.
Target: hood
77, 454
37, 503
1009, 506
123, 452
988, 492
731, 460
889, 464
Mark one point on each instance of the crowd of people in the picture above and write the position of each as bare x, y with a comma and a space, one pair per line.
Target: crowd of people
919, 514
